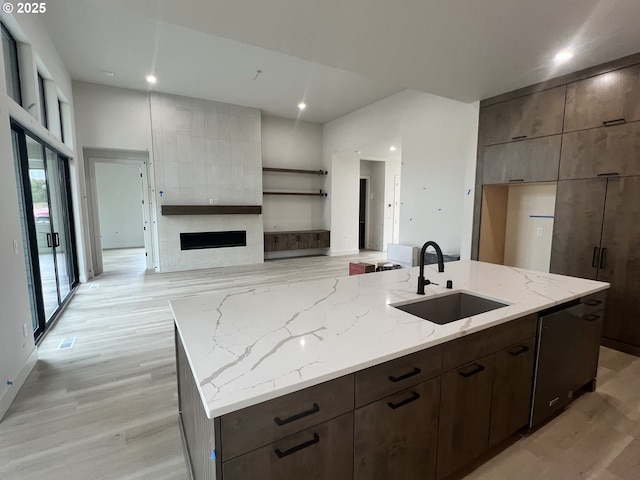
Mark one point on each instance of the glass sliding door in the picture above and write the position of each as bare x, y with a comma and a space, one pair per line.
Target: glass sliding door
44, 182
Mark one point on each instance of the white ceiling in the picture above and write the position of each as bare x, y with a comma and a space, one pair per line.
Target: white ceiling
338, 55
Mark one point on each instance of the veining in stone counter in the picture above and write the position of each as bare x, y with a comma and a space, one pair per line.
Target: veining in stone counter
249, 345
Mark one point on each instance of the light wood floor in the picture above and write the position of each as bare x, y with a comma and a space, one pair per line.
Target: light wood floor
107, 408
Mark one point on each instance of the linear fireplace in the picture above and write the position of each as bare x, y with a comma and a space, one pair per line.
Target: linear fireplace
200, 240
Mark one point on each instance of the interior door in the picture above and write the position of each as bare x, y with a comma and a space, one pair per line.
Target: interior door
575, 250
620, 259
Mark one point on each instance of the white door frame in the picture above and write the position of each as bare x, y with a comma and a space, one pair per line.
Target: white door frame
118, 157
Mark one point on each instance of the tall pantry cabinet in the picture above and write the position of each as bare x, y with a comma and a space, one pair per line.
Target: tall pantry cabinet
596, 231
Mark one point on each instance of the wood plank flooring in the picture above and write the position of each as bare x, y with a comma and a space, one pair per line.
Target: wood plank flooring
107, 408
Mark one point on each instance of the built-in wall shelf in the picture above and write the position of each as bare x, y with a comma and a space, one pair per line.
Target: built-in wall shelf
211, 209
294, 170
310, 194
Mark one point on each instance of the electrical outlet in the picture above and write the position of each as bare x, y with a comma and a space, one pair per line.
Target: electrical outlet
25, 331
539, 231
15, 247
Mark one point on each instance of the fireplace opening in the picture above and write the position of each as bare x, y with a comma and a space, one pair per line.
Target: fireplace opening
199, 240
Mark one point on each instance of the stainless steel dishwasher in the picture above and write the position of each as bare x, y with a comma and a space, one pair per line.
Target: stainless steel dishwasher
568, 346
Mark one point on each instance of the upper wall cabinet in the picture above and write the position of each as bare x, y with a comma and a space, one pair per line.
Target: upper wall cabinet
534, 115
601, 151
603, 100
534, 160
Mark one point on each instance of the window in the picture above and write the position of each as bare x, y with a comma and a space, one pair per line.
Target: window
61, 120
10, 52
43, 102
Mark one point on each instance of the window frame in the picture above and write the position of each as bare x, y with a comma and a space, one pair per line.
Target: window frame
12, 65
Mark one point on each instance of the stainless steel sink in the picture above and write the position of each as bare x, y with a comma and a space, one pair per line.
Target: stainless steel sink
449, 308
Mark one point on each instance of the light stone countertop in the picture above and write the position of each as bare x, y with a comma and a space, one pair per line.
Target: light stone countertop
246, 346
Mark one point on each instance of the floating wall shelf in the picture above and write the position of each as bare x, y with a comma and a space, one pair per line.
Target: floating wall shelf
310, 194
211, 209
294, 170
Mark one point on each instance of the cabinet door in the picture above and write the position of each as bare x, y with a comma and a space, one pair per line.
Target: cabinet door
465, 408
319, 453
601, 151
298, 241
270, 242
527, 161
396, 437
512, 385
575, 248
603, 100
534, 115
621, 260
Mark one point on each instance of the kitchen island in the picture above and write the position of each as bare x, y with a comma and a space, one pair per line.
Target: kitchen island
244, 353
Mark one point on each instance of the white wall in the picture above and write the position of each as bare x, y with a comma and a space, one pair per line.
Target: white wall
119, 188
17, 350
529, 228
439, 138
292, 144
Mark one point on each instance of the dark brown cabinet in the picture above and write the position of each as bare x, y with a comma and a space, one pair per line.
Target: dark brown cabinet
596, 235
511, 393
465, 411
296, 240
535, 115
603, 100
601, 151
318, 453
533, 160
396, 437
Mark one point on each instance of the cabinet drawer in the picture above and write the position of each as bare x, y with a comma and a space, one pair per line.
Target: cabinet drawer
318, 453
390, 377
534, 160
600, 151
261, 424
603, 100
396, 437
466, 349
535, 115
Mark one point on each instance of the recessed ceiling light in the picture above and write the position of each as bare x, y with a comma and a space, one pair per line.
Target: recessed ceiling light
302, 106
563, 55
392, 148
151, 79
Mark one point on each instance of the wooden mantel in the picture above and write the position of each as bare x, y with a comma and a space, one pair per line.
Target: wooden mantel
211, 209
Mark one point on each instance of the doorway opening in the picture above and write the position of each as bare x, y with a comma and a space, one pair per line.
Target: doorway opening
362, 212
121, 231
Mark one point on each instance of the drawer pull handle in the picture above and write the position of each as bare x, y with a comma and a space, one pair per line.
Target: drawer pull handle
608, 174
519, 350
279, 421
414, 396
516, 180
593, 303
413, 372
592, 317
519, 137
476, 369
617, 121
297, 448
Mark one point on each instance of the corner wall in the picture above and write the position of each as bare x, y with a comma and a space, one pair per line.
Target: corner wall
439, 139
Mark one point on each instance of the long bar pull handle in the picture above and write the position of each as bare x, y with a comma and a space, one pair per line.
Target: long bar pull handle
297, 448
519, 137
476, 369
414, 396
56, 239
608, 174
593, 303
413, 372
603, 257
596, 254
49, 240
511, 180
591, 317
518, 350
283, 421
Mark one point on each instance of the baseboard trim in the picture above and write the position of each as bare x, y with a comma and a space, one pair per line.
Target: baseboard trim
10, 394
340, 253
